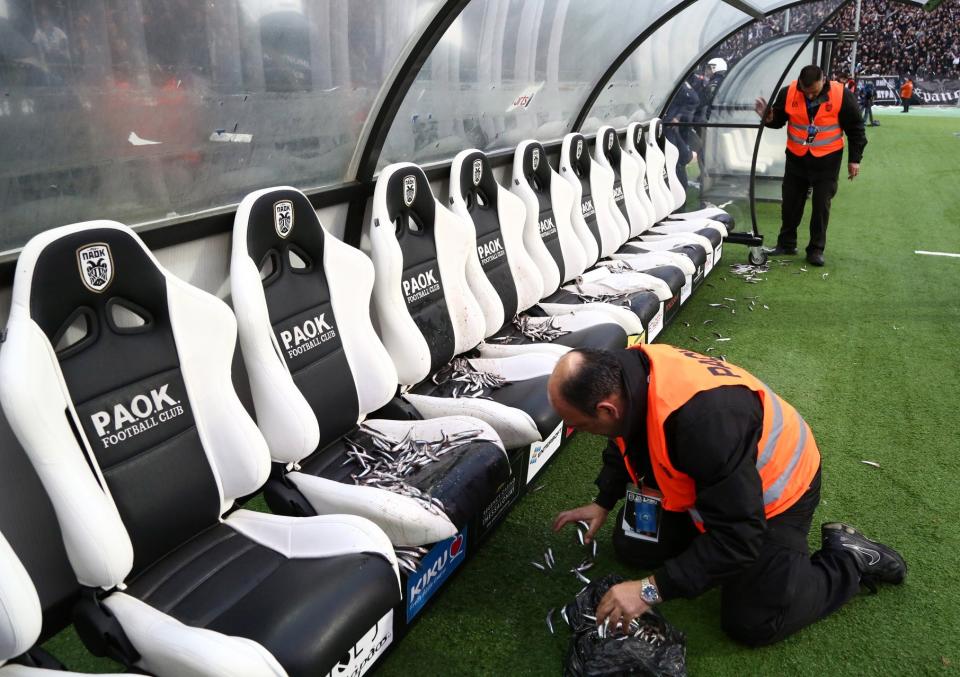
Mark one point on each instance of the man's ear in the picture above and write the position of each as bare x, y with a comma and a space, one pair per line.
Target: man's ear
608, 408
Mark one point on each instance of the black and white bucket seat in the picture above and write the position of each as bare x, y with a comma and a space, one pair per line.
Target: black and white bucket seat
427, 316
503, 277
115, 377
317, 369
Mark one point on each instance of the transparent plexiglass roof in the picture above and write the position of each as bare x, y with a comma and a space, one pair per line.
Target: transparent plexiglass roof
508, 70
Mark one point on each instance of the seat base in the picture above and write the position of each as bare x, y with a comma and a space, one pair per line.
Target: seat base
607, 336
307, 612
643, 304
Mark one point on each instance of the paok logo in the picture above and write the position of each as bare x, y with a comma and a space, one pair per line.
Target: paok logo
579, 148
477, 171
365, 652
307, 335
96, 266
586, 207
409, 189
420, 286
491, 251
664, 174
547, 226
646, 185
609, 140
283, 217
535, 158
435, 567
143, 412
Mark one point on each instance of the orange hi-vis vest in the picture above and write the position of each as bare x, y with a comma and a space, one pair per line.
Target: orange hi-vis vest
787, 455
829, 136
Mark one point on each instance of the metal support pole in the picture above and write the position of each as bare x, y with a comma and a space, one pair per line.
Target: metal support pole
853, 49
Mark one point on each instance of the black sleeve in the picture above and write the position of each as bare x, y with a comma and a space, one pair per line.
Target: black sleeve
613, 478
779, 109
713, 439
851, 121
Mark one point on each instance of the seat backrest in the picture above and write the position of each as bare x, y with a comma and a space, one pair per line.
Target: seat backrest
656, 171
634, 149
575, 167
426, 312
502, 276
607, 199
671, 155
548, 235
115, 378
20, 613
302, 300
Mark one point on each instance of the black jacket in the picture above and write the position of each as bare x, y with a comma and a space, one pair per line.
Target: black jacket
851, 122
713, 439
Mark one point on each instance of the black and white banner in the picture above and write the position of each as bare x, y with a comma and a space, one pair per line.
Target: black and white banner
887, 88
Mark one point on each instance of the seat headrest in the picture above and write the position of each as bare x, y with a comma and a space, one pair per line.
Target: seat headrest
535, 166
655, 133
475, 178
578, 156
280, 219
610, 146
84, 269
408, 194
639, 136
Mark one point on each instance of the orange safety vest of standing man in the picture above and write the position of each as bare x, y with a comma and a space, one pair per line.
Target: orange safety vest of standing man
823, 134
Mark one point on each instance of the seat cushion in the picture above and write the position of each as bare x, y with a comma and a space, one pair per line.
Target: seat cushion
529, 396
643, 304
306, 612
606, 336
465, 479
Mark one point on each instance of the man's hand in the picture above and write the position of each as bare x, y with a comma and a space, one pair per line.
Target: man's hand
592, 514
853, 170
760, 105
622, 604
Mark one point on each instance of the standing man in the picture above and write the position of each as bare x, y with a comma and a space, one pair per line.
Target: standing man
721, 478
868, 96
817, 114
906, 94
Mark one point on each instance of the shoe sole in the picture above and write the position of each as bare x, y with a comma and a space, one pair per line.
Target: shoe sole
853, 531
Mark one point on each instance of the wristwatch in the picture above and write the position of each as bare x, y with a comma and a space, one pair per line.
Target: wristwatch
649, 592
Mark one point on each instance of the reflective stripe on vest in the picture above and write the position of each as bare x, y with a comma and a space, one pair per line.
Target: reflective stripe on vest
828, 137
787, 455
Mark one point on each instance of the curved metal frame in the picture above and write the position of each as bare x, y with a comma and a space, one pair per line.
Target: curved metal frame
621, 58
783, 76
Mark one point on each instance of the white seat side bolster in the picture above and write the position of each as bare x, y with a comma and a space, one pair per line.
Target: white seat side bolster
350, 276
283, 414
95, 538
518, 367
169, 647
627, 320
314, 537
205, 331
452, 235
512, 214
499, 350
575, 256
21, 617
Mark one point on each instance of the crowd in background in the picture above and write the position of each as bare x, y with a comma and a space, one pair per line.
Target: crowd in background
899, 39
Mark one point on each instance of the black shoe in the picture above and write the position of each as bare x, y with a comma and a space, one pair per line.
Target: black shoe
874, 124
780, 251
876, 562
815, 258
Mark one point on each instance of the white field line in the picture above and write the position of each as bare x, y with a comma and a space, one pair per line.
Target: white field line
920, 251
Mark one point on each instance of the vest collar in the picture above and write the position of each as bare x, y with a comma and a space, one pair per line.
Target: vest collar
636, 369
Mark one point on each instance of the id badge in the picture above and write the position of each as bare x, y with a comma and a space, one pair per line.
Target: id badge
641, 514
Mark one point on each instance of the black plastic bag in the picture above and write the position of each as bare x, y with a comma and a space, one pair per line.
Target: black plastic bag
592, 656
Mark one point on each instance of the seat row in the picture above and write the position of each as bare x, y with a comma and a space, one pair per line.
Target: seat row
382, 442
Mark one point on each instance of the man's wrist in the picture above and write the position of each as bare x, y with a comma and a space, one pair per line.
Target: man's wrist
649, 592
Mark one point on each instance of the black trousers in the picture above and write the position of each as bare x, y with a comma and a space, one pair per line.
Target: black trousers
906, 105
785, 590
795, 188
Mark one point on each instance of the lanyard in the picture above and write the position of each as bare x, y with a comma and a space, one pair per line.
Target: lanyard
622, 446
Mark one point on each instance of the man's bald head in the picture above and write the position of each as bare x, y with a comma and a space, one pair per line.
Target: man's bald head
586, 389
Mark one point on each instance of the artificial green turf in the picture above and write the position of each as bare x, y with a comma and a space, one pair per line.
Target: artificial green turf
869, 356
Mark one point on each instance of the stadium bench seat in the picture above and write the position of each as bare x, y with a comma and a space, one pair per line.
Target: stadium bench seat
116, 379
318, 370
427, 316
503, 277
